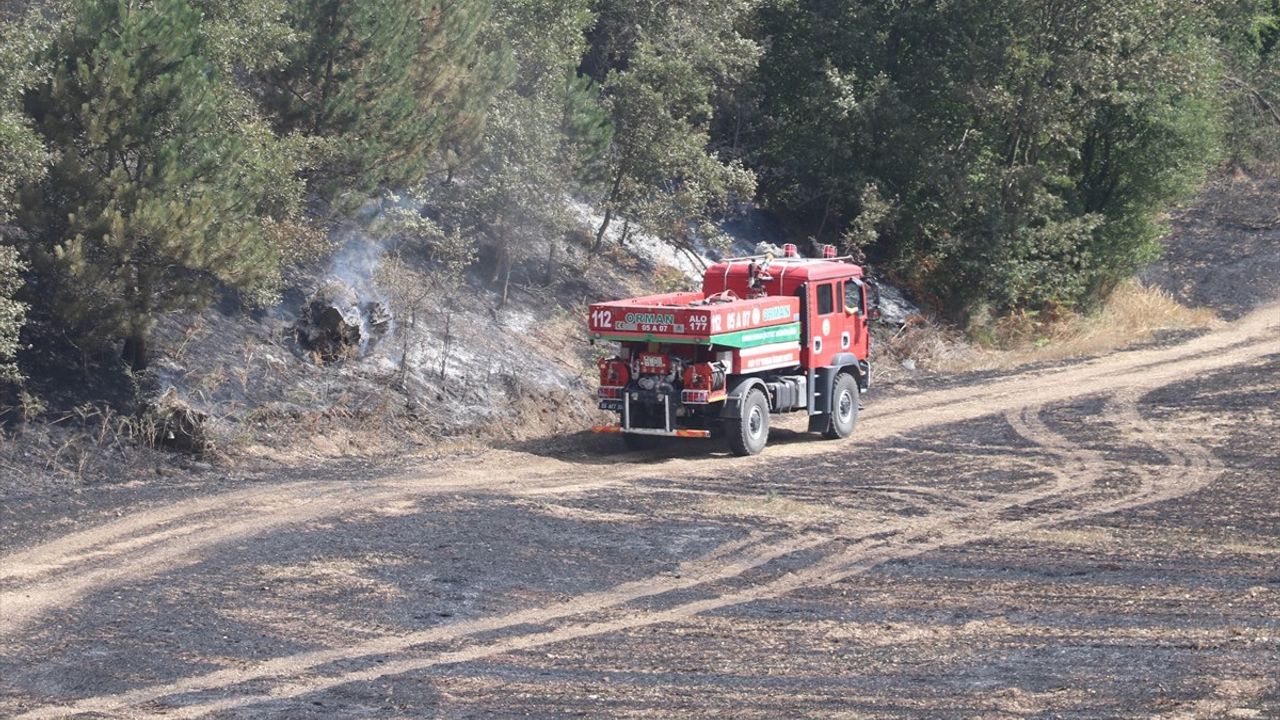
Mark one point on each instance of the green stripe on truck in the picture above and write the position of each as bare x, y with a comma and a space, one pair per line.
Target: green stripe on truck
741, 339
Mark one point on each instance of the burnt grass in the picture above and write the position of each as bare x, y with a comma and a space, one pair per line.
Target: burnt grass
1224, 251
1168, 608
1124, 614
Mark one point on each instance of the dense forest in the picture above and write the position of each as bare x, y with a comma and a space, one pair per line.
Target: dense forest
993, 155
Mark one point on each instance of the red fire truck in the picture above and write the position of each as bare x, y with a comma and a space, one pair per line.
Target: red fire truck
765, 336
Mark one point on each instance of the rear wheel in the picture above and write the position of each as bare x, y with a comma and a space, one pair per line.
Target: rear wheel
844, 408
750, 433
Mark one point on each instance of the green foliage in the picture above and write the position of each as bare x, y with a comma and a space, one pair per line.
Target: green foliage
380, 87
23, 160
544, 137
22, 157
13, 313
864, 230
246, 36
163, 178
1030, 146
1249, 31
1011, 155
662, 67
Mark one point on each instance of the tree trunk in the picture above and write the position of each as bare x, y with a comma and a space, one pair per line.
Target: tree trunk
448, 344
608, 212
405, 339
604, 227
135, 351
138, 297
506, 283
550, 274
502, 253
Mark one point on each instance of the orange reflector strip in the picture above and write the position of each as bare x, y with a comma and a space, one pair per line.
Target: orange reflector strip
693, 433
702, 434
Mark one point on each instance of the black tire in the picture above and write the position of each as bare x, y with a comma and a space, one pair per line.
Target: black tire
750, 433
843, 417
640, 442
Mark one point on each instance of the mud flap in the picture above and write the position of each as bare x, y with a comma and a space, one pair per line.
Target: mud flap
737, 392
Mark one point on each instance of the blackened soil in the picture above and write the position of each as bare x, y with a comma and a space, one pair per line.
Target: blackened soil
1112, 555
1224, 250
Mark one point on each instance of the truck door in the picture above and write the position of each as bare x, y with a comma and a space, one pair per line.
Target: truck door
826, 323
853, 337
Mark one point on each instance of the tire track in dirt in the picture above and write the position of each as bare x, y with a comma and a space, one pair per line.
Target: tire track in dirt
1081, 465
945, 406
131, 532
40, 580
725, 561
1227, 695
1186, 473
1082, 469
60, 573
1192, 457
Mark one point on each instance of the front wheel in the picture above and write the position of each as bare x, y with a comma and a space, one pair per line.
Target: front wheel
750, 433
844, 408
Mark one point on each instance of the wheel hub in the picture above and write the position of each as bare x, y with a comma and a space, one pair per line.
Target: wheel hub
846, 405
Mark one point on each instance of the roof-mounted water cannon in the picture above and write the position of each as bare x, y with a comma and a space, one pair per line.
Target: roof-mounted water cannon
758, 274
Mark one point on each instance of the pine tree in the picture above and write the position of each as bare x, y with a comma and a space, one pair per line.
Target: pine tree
543, 140
382, 86
662, 66
161, 184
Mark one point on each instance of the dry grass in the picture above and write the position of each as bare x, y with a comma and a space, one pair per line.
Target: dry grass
769, 507
1134, 313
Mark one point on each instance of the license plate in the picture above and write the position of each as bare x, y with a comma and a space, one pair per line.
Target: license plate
614, 405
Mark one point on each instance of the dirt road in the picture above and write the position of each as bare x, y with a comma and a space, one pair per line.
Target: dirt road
1100, 538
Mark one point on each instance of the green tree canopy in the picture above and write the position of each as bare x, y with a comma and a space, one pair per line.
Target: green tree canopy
23, 160
161, 184
1029, 146
542, 143
381, 86
662, 66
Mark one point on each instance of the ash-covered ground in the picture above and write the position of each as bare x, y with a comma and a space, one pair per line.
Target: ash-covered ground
1091, 538
1088, 541
1224, 251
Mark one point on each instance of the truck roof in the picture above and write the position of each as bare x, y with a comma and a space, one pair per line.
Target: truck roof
727, 312
785, 275
783, 269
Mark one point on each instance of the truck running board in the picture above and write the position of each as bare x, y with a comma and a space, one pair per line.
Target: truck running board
701, 434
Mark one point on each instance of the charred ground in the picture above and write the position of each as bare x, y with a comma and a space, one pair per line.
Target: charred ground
1108, 555
1092, 538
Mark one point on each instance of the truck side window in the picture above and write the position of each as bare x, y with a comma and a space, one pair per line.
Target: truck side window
853, 297
826, 299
